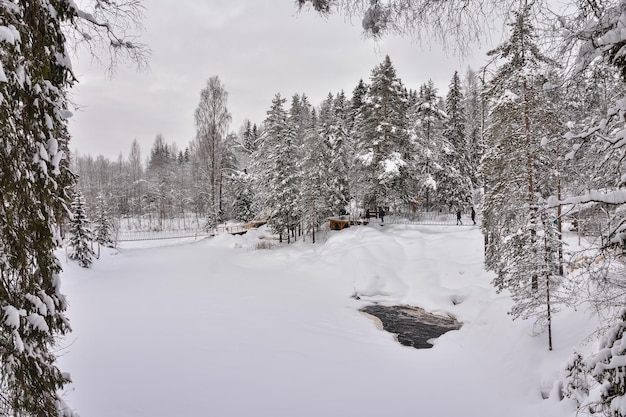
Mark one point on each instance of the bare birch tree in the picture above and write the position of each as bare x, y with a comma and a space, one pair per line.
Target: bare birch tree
212, 121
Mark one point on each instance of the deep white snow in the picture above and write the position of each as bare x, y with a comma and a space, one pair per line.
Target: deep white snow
218, 328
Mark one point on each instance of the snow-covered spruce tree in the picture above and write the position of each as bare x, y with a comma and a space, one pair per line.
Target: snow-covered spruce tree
427, 120
277, 179
81, 236
160, 182
454, 179
103, 228
355, 115
608, 368
250, 137
511, 168
315, 176
35, 76
243, 203
576, 383
300, 119
333, 130
383, 149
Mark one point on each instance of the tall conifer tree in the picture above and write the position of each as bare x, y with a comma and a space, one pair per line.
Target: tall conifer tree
428, 116
454, 179
275, 169
81, 235
514, 217
383, 147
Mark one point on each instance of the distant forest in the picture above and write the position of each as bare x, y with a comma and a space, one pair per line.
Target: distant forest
383, 145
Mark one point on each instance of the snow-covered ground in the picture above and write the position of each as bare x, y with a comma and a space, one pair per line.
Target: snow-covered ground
216, 327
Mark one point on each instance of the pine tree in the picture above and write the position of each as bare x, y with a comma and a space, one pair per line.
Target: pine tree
81, 235
514, 215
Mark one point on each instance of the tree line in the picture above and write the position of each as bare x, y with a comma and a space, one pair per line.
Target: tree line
385, 145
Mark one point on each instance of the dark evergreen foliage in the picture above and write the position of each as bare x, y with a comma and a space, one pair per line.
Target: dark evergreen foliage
33, 180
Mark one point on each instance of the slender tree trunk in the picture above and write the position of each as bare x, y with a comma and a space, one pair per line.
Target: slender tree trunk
313, 221
559, 210
548, 307
531, 186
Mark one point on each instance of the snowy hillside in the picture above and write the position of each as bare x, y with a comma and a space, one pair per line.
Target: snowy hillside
218, 328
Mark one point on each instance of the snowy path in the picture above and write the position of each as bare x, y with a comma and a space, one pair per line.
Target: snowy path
214, 328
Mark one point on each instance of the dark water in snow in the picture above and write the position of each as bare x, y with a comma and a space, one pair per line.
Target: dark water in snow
412, 326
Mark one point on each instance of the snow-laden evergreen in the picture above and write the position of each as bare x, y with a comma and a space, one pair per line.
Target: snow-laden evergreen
512, 167
81, 235
334, 131
454, 179
243, 205
277, 179
35, 75
102, 225
383, 147
427, 118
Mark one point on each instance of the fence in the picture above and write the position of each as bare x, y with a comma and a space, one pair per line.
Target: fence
433, 218
135, 235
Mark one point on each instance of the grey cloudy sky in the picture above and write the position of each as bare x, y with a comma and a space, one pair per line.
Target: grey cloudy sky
257, 47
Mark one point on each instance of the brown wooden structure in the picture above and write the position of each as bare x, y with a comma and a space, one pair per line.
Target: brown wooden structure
337, 223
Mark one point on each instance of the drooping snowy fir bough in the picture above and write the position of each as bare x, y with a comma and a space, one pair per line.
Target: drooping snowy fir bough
35, 76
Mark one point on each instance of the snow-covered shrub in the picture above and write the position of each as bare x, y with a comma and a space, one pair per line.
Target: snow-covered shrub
608, 368
576, 384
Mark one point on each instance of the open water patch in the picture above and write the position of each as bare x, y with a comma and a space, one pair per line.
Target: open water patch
413, 326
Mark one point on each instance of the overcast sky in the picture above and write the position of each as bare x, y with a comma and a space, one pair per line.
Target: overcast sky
257, 47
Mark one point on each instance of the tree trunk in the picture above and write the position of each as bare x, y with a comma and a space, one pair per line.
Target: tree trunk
531, 185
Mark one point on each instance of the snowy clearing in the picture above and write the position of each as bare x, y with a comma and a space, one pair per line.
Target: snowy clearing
217, 328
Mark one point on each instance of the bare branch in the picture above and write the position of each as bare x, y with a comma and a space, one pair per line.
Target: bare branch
111, 30
454, 24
